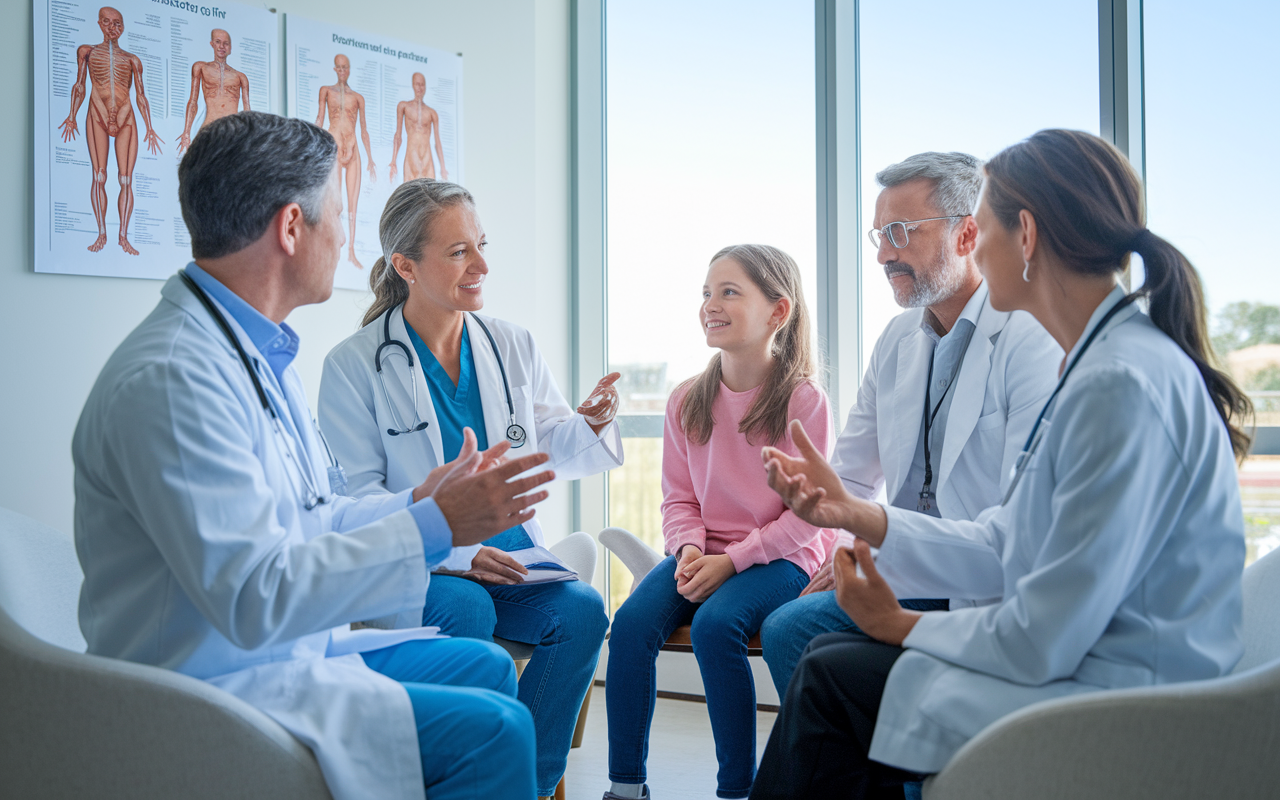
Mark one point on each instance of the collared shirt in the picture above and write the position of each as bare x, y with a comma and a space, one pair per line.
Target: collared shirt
948, 354
278, 344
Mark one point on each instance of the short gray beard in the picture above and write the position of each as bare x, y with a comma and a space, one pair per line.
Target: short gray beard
938, 285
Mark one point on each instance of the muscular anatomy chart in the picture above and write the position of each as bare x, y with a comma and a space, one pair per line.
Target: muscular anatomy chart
111, 72
118, 90
346, 108
223, 87
420, 122
387, 102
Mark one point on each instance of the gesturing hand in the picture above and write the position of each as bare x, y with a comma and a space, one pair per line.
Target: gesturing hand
601, 406
869, 601
494, 455
807, 483
478, 504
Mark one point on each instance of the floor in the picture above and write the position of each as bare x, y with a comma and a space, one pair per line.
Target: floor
682, 755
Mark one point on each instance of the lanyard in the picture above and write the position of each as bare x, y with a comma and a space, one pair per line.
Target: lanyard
1033, 440
925, 503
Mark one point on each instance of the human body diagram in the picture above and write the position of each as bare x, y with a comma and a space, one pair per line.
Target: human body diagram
419, 121
345, 107
224, 87
112, 72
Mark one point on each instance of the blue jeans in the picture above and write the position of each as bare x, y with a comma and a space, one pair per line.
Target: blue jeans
567, 623
721, 627
475, 739
788, 631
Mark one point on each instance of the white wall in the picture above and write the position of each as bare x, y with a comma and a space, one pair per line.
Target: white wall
58, 330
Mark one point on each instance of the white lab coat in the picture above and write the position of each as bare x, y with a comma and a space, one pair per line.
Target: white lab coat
1117, 559
199, 557
355, 416
1009, 369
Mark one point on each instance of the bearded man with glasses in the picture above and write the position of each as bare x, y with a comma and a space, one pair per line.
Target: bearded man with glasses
950, 394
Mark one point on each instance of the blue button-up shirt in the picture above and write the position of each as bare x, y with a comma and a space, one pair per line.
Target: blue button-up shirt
948, 355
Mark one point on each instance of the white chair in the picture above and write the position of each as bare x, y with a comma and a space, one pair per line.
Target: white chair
74, 725
1214, 738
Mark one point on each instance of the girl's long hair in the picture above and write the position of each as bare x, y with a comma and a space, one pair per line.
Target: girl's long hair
1088, 205
775, 273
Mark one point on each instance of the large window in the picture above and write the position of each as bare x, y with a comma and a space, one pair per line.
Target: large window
1212, 77
710, 143
974, 77
711, 130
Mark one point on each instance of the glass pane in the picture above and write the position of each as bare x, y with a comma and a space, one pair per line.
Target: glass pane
710, 143
974, 77
1212, 76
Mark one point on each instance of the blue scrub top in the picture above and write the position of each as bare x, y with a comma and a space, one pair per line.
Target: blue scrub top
459, 407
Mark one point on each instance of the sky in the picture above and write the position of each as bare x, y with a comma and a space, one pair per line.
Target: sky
711, 135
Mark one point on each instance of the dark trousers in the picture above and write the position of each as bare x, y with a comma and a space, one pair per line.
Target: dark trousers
819, 745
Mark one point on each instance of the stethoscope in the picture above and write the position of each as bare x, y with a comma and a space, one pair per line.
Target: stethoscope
515, 433
310, 483
1033, 441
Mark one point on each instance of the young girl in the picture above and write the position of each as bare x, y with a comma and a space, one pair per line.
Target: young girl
735, 552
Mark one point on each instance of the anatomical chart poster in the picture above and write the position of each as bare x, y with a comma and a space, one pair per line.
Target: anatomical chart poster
120, 90
395, 108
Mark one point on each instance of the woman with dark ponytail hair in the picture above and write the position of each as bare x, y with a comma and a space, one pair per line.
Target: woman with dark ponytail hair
1117, 554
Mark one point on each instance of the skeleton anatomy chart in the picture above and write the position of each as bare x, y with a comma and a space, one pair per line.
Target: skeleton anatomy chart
395, 109
120, 90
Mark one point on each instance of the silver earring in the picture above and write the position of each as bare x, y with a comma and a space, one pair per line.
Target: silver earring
1026, 266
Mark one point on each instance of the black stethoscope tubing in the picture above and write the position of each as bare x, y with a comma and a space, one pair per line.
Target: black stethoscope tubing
267, 406
1030, 446
515, 433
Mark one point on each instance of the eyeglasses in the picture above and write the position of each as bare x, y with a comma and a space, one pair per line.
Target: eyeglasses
896, 232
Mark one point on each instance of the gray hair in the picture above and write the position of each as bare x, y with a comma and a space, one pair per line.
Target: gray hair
242, 169
405, 228
957, 179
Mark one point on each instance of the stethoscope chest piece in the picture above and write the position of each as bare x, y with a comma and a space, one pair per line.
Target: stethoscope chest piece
516, 435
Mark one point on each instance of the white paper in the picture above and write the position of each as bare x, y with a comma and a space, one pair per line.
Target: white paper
153, 58
541, 555
380, 81
344, 640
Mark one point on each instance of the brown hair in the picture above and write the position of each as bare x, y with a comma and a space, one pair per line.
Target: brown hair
1088, 205
775, 273
405, 228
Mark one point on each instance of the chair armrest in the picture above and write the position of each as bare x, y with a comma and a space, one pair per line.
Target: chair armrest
638, 557
76, 725
1211, 738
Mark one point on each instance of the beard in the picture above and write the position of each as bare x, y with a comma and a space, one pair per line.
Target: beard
937, 282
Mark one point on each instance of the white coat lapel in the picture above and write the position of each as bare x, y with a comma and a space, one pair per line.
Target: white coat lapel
406, 378
970, 390
906, 411
489, 381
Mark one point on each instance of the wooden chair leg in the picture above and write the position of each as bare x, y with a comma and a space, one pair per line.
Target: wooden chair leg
521, 663
560, 790
582, 717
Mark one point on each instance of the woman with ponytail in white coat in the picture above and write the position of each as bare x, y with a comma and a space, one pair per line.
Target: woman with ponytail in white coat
1118, 551
397, 401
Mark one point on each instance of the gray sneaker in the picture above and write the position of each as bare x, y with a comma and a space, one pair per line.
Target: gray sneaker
612, 796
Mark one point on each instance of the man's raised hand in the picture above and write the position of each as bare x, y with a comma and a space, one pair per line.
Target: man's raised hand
479, 503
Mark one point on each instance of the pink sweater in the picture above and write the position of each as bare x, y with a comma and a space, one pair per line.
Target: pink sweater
716, 497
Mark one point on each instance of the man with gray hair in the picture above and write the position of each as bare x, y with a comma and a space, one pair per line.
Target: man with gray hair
209, 518
951, 391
